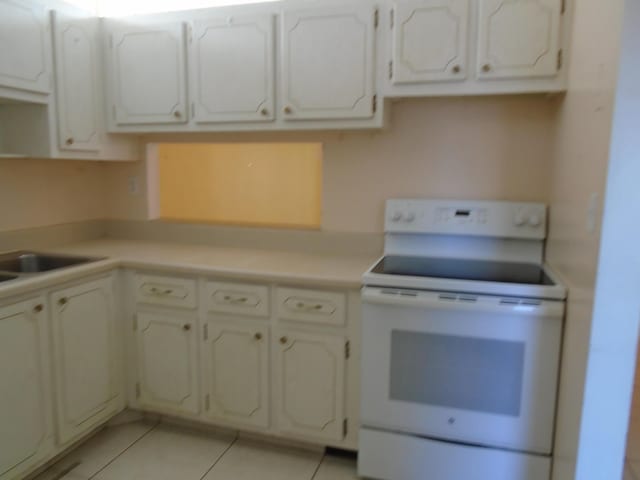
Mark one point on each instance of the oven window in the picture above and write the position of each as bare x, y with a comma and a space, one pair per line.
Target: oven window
457, 372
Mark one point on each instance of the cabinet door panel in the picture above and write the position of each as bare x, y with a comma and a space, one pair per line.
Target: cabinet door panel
430, 40
85, 356
167, 362
148, 74
25, 403
23, 46
237, 358
519, 38
233, 69
310, 393
76, 74
328, 63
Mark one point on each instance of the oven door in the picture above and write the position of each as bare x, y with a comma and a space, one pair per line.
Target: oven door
474, 369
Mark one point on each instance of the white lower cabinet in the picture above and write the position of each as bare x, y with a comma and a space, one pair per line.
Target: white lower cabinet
26, 432
310, 390
236, 366
85, 357
167, 362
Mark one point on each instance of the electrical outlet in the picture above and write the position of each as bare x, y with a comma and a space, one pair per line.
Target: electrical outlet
132, 183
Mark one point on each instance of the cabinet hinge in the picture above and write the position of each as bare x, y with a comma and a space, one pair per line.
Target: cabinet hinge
135, 323
347, 349
138, 390
376, 18
207, 402
560, 59
392, 18
206, 332
563, 7
390, 69
345, 428
375, 103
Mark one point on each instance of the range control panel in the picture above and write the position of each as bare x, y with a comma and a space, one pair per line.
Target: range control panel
475, 218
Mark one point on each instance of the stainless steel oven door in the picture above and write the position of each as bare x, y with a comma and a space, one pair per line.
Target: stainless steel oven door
474, 369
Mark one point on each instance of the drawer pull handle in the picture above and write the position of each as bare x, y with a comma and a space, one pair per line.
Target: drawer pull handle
308, 308
63, 301
186, 327
38, 308
159, 292
235, 300
283, 340
258, 336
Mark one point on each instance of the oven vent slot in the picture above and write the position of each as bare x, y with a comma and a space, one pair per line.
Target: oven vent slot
450, 297
402, 293
518, 301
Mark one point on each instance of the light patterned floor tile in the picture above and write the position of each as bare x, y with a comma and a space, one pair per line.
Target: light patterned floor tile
337, 468
97, 452
168, 453
247, 460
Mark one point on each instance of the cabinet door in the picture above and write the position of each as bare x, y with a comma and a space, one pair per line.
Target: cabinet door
148, 74
24, 45
232, 60
75, 43
328, 63
167, 362
310, 384
85, 353
519, 38
26, 434
236, 370
430, 39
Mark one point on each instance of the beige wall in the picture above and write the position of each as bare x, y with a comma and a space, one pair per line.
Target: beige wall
580, 159
37, 193
484, 148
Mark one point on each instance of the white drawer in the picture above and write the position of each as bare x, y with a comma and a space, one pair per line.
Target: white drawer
238, 298
312, 306
167, 291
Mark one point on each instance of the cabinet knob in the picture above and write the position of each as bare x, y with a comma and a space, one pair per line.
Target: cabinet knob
69, 141
283, 340
63, 301
177, 114
258, 336
486, 68
38, 308
456, 69
186, 327
288, 110
264, 112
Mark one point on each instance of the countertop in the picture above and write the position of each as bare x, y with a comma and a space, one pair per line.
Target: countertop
339, 270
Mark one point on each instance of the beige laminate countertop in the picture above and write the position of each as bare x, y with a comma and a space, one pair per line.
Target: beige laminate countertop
340, 270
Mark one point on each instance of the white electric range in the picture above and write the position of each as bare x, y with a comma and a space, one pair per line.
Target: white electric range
461, 334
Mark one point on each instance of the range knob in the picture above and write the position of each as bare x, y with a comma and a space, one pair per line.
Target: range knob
410, 217
520, 219
396, 217
534, 220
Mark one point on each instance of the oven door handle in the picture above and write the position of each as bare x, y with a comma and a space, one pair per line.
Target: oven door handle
465, 303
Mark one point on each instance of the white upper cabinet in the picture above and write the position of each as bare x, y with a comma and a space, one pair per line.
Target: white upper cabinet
328, 63
26, 435
232, 69
519, 38
24, 46
77, 64
85, 352
430, 41
167, 362
148, 73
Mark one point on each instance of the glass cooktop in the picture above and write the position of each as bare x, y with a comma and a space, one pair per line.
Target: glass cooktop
457, 269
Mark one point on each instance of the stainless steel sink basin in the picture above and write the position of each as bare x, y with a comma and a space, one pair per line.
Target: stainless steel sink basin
6, 278
24, 262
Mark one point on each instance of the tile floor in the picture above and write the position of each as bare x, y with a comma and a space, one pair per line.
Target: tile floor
147, 451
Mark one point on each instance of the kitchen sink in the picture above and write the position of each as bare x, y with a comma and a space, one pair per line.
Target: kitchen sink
6, 278
23, 262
